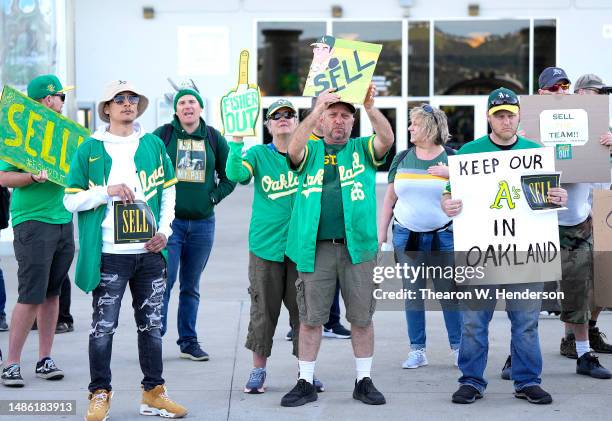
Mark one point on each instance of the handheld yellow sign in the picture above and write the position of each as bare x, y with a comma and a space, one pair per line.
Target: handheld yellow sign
35, 138
240, 107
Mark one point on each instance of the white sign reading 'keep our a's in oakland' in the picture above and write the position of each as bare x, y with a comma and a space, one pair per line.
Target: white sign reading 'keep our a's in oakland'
564, 127
497, 229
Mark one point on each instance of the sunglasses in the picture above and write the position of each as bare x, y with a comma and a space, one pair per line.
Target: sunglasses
132, 99
62, 97
503, 101
288, 115
558, 86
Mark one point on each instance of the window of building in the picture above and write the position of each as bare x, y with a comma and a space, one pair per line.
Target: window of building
418, 58
388, 73
544, 47
475, 57
284, 55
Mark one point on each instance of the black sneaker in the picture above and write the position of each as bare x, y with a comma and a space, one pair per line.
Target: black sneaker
366, 392
193, 352
466, 394
596, 340
534, 394
568, 347
301, 394
46, 369
64, 327
3, 325
11, 376
589, 365
507, 370
337, 331
289, 335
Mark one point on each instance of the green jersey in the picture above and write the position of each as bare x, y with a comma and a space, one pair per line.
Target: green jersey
331, 224
37, 202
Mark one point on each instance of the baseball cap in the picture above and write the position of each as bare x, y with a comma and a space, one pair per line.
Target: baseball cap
278, 104
112, 89
552, 75
348, 105
588, 81
326, 40
503, 99
44, 85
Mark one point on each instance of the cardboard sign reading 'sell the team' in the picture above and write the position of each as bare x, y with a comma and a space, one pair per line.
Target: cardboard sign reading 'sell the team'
35, 138
496, 228
240, 106
347, 66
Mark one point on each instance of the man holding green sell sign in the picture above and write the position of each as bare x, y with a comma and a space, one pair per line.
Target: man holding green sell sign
44, 244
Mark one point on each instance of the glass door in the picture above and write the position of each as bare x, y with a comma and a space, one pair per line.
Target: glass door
466, 117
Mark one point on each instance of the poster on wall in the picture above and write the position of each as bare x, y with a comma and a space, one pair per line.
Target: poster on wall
513, 243
347, 66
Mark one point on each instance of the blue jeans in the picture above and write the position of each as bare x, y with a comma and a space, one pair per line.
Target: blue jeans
146, 275
189, 247
415, 308
524, 345
2, 294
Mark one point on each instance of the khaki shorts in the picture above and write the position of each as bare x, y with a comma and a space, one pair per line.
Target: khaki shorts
315, 290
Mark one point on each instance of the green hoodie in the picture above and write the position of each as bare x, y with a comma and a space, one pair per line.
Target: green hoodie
196, 200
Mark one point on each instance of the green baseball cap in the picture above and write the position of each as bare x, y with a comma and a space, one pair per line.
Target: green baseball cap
503, 99
325, 40
278, 104
45, 85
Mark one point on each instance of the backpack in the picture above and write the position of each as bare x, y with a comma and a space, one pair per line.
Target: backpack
5, 201
166, 135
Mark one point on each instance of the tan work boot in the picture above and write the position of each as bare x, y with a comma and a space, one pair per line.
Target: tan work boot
157, 402
99, 405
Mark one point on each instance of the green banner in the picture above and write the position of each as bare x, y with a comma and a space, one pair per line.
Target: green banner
347, 66
35, 138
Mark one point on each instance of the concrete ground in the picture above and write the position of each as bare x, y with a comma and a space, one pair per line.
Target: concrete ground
213, 390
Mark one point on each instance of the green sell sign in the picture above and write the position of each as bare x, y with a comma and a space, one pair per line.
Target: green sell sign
35, 138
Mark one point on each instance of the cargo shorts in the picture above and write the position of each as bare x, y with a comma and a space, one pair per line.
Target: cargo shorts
315, 290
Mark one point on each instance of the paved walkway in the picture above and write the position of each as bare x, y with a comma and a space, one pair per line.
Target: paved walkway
213, 390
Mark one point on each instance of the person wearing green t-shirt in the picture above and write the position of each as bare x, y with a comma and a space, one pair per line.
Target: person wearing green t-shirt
503, 117
332, 233
44, 249
199, 154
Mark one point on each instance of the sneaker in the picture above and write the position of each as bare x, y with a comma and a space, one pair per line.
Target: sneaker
318, 384
255, 385
302, 393
589, 365
466, 394
64, 327
507, 369
11, 376
366, 392
416, 359
596, 340
99, 405
338, 331
157, 402
568, 347
193, 352
455, 356
534, 394
46, 369
289, 335
3, 325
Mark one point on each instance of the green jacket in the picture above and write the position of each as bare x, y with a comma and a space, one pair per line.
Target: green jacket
196, 200
155, 173
357, 169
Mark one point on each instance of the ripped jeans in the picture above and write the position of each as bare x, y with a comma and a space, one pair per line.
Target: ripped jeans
146, 275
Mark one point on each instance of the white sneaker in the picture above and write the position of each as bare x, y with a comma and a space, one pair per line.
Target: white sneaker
455, 356
416, 359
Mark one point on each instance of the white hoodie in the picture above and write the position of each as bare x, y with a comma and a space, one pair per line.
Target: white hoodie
122, 151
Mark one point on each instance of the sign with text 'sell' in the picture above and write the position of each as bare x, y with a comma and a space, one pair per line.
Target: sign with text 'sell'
572, 125
134, 222
240, 107
536, 187
347, 66
496, 229
35, 138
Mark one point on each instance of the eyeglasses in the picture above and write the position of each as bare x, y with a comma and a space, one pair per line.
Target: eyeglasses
62, 97
288, 115
558, 86
132, 99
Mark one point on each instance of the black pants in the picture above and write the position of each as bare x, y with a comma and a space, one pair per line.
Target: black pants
64, 315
